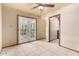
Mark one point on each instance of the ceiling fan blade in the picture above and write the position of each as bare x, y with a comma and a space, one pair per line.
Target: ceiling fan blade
35, 7
48, 5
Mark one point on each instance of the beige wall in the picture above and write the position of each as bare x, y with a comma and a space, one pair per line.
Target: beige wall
41, 27
69, 25
0, 27
9, 25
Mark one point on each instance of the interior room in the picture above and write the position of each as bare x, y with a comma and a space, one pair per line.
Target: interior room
39, 29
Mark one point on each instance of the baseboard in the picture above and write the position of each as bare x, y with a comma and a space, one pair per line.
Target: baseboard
69, 48
40, 38
9, 46
22, 43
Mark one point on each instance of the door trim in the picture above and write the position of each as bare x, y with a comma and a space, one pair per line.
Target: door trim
57, 16
18, 27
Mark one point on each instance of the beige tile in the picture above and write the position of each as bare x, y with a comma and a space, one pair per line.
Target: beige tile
38, 48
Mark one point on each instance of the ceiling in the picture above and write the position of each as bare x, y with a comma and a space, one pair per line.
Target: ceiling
27, 7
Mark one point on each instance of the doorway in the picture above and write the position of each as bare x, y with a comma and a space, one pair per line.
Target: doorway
26, 29
54, 28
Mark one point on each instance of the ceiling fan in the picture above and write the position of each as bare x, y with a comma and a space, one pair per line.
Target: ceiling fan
41, 6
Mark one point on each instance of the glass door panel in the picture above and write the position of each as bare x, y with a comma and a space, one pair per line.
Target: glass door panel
33, 29
26, 29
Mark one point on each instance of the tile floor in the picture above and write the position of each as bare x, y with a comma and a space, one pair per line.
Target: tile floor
38, 48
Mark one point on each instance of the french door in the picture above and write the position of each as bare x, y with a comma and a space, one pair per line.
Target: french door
26, 29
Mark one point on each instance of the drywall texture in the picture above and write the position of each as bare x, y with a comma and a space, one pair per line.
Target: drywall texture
9, 25
0, 27
69, 25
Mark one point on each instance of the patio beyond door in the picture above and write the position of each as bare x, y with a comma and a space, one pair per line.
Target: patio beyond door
26, 29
